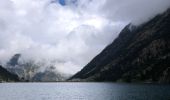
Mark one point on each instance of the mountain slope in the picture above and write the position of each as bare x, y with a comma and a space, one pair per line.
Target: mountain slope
30, 70
6, 76
49, 75
139, 54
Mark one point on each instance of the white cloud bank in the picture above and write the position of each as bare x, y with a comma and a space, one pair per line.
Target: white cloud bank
69, 35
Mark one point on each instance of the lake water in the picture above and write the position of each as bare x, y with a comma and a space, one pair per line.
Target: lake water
83, 91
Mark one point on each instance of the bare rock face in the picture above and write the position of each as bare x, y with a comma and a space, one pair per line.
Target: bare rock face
139, 54
14, 60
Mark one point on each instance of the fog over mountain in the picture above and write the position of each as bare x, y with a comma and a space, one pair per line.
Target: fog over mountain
67, 33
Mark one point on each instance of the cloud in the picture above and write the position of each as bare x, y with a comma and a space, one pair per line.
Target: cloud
134, 11
68, 35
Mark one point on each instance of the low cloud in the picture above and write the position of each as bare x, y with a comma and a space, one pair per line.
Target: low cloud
134, 11
68, 35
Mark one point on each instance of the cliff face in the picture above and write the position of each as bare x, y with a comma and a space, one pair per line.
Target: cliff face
139, 54
6, 76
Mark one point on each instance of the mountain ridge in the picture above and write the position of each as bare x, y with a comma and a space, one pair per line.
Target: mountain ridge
137, 55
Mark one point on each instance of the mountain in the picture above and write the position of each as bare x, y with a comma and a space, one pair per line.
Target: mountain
138, 54
49, 75
14, 60
29, 70
6, 76
25, 70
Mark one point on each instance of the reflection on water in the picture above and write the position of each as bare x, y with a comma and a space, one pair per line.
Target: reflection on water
83, 91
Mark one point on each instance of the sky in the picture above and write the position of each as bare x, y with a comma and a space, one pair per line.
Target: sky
67, 33
62, 2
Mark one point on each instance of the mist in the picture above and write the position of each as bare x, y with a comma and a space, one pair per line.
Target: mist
67, 33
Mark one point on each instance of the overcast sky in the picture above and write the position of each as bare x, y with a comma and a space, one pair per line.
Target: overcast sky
67, 33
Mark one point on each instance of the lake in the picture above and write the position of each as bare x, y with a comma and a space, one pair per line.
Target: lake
83, 91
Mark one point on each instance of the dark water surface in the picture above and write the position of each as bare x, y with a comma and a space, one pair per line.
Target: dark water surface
83, 91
